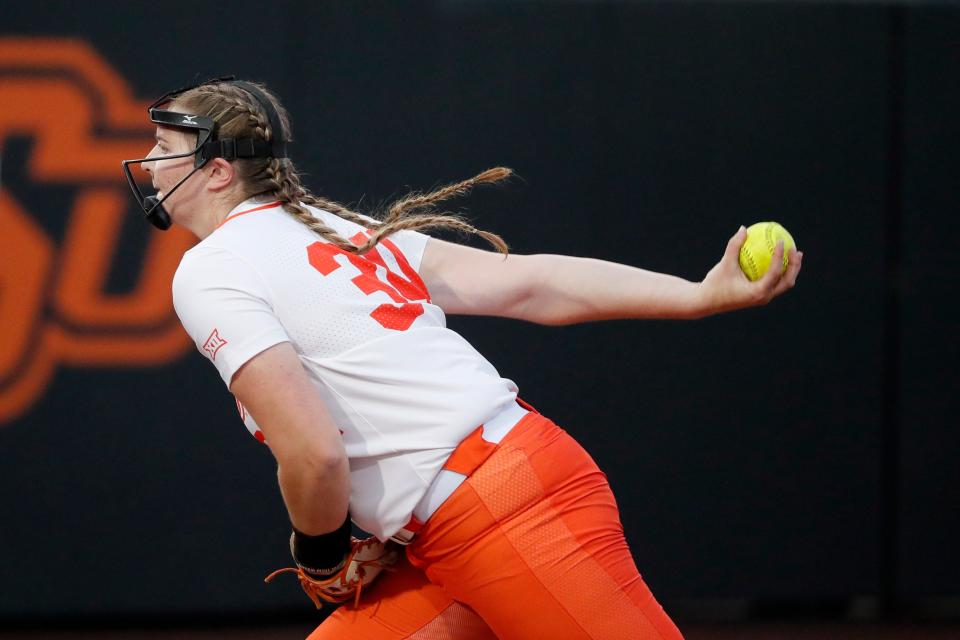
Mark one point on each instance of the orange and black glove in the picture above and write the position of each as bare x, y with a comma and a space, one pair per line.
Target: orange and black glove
361, 564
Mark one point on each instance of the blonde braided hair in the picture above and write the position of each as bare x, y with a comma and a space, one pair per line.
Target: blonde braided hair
239, 115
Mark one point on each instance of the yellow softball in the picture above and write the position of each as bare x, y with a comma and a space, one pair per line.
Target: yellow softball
757, 251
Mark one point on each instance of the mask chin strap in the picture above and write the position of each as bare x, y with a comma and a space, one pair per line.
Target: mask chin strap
153, 207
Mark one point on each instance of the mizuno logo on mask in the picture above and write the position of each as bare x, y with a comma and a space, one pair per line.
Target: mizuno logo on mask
189, 120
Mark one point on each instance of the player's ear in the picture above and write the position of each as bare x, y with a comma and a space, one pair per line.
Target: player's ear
220, 173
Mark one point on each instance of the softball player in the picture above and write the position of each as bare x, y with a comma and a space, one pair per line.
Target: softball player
329, 328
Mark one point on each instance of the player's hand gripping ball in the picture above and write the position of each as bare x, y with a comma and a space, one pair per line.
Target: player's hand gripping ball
757, 251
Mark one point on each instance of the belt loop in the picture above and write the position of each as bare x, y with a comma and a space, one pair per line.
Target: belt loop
406, 535
403, 537
470, 453
526, 405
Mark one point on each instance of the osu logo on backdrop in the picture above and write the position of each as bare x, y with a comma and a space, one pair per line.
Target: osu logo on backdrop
79, 120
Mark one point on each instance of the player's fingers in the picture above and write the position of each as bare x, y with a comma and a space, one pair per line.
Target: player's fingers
793, 269
734, 244
772, 276
789, 279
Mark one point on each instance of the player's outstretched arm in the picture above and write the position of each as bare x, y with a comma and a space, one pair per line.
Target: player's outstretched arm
557, 290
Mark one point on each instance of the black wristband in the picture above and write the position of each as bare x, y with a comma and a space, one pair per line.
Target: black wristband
324, 552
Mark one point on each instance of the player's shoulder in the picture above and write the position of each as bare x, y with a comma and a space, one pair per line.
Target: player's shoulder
214, 275
201, 263
213, 264
201, 254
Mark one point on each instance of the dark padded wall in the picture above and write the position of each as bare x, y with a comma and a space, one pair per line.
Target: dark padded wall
745, 450
930, 477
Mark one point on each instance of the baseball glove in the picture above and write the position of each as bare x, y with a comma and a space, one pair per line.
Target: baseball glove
367, 558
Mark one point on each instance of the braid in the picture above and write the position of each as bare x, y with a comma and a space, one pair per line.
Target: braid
288, 191
401, 214
238, 114
338, 209
236, 100
431, 221
428, 201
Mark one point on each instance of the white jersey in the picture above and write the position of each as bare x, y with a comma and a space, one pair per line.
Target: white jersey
402, 388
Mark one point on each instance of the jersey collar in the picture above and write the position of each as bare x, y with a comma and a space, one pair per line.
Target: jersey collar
245, 207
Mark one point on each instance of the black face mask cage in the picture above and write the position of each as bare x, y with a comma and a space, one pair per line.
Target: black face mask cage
208, 146
152, 207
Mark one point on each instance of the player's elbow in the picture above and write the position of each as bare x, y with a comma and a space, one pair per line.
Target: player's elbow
312, 457
528, 292
327, 461
308, 468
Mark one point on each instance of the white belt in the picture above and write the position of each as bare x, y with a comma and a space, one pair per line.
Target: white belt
447, 481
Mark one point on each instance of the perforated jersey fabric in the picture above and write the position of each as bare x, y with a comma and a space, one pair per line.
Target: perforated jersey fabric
402, 387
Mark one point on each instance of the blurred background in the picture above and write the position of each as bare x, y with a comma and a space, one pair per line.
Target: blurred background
782, 472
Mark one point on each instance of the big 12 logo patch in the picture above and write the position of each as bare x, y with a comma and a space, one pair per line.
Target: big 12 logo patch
67, 119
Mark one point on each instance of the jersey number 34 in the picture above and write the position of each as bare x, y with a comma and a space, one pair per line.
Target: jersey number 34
404, 289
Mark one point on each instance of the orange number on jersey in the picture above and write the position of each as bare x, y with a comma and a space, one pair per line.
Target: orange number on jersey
403, 290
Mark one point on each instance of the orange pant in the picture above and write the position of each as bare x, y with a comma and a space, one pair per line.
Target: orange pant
529, 547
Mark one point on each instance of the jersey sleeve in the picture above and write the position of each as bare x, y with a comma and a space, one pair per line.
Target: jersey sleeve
224, 305
412, 245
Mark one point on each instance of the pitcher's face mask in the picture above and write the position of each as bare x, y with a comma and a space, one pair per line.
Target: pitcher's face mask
209, 145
